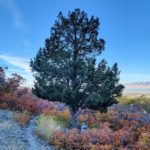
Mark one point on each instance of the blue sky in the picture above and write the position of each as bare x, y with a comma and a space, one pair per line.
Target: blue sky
125, 26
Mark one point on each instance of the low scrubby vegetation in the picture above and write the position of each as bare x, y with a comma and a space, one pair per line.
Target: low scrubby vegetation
22, 118
142, 100
124, 126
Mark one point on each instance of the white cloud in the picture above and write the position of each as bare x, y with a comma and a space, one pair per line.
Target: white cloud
16, 70
27, 76
16, 14
17, 61
23, 68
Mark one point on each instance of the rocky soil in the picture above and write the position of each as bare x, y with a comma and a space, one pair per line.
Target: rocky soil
15, 137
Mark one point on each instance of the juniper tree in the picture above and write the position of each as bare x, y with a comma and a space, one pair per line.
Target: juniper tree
2, 79
66, 68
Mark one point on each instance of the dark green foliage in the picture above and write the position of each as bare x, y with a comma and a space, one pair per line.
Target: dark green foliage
66, 69
2, 79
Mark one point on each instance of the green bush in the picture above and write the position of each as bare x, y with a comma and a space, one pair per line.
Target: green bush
137, 100
144, 101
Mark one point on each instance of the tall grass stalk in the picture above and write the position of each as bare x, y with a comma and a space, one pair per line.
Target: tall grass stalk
46, 126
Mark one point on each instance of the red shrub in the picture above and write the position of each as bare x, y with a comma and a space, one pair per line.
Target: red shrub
74, 140
3, 106
123, 137
58, 139
144, 141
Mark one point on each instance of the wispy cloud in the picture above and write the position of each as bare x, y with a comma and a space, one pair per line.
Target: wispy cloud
21, 66
18, 62
26, 75
15, 12
16, 70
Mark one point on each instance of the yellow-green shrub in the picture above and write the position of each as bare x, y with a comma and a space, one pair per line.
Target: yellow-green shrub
46, 126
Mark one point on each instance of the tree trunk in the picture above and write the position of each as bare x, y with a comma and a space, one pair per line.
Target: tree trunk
73, 119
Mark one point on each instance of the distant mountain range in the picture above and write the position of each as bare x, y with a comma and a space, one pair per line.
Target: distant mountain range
137, 87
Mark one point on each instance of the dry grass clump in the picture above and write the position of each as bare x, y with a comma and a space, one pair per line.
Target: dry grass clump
22, 118
46, 126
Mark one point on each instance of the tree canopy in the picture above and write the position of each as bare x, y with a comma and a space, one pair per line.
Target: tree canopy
66, 69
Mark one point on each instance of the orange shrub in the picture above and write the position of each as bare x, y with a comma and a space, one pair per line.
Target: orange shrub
144, 141
63, 116
90, 117
22, 118
123, 137
58, 139
102, 139
73, 140
101, 147
49, 112
3, 106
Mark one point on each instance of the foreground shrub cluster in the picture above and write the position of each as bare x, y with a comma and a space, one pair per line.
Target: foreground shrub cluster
121, 128
101, 139
23, 99
125, 126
